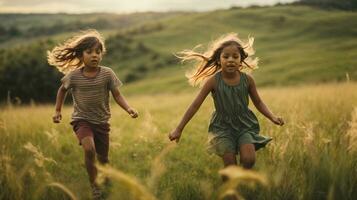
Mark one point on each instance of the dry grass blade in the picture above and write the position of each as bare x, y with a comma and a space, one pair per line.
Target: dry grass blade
64, 189
238, 176
158, 168
138, 190
40, 159
242, 175
352, 132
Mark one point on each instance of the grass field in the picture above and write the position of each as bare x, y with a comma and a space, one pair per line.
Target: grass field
306, 55
312, 157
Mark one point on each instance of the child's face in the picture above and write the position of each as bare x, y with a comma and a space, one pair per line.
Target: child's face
92, 56
230, 59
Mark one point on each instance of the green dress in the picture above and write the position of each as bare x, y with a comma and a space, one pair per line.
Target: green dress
233, 123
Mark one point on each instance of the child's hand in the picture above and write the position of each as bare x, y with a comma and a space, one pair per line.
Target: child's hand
57, 117
175, 135
133, 113
278, 121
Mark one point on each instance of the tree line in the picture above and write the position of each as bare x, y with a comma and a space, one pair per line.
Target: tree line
332, 4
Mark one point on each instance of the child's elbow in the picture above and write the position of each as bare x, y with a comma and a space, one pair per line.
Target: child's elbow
62, 89
116, 93
258, 103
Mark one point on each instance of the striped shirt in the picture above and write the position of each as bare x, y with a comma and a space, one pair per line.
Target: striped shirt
91, 94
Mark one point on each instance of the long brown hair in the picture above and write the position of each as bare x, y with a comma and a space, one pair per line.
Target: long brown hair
67, 57
208, 62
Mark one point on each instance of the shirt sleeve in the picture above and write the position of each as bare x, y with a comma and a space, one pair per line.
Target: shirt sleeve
66, 81
114, 81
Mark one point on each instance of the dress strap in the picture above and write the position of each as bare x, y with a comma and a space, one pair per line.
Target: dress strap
218, 77
244, 79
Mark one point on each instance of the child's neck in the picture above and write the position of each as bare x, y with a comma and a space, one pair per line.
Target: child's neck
231, 78
90, 69
230, 75
90, 72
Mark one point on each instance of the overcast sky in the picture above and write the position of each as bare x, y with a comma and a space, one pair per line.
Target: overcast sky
123, 6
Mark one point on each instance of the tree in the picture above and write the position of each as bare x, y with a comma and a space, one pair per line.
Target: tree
25, 74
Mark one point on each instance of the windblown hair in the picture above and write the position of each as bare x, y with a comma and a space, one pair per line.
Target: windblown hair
208, 63
67, 57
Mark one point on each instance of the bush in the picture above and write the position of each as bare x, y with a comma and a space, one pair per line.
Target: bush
25, 74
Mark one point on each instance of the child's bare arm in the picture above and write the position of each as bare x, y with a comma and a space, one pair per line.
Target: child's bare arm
123, 103
191, 111
260, 105
61, 95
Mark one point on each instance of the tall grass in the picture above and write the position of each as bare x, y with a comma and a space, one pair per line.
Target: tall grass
312, 157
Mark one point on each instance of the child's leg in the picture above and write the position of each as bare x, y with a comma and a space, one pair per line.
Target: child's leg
101, 142
247, 155
89, 157
229, 159
85, 135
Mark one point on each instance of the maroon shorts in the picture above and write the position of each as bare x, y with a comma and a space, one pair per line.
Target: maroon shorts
99, 133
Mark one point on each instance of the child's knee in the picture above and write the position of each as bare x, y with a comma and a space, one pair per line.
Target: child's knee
89, 150
89, 154
88, 144
247, 155
229, 159
247, 161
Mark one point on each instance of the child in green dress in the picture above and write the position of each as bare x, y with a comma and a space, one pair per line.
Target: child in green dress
233, 127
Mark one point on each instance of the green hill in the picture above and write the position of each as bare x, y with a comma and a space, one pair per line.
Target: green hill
22, 28
296, 44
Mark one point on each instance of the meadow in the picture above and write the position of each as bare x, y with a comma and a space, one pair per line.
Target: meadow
313, 156
307, 75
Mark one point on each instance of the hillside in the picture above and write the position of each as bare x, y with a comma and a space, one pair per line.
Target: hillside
297, 45
21, 28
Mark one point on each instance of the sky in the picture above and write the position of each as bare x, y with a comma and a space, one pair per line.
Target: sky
123, 6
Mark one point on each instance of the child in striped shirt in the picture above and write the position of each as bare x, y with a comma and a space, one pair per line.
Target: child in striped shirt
78, 58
